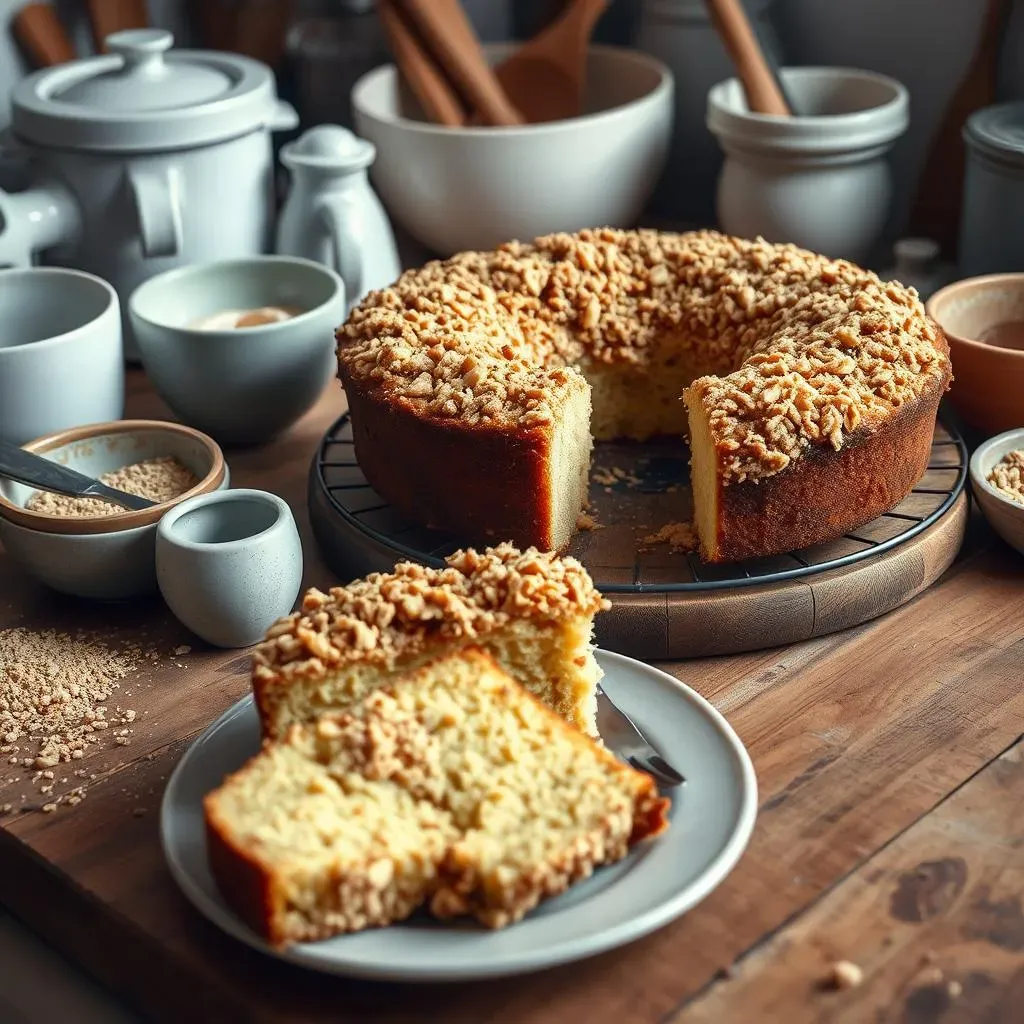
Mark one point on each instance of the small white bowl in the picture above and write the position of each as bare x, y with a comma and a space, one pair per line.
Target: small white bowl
1005, 515
475, 187
107, 558
240, 385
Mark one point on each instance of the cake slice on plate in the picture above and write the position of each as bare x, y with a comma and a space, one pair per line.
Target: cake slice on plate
451, 787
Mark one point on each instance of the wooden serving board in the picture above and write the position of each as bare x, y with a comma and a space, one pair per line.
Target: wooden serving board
889, 768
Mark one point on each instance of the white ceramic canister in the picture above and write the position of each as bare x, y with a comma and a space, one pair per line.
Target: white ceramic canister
143, 160
332, 215
992, 221
680, 33
820, 180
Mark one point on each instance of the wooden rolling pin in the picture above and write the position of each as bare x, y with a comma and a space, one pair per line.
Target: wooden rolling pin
448, 34
40, 33
427, 81
763, 93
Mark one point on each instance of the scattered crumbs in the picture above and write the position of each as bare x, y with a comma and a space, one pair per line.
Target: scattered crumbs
679, 536
615, 475
6, 808
955, 989
844, 975
931, 976
181, 650
585, 521
49, 808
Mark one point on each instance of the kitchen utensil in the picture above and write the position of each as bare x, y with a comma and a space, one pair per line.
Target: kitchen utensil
680, 33
61, 360
820, 180
759, 83
439, 100
109, 16
449, 36
229, 564
992, 224
475, 189
936, 210
46, 475
42, 36
544, 79
103, 557
988, 380
241, 385
144, 160
1005, 515
621, 735
332, 215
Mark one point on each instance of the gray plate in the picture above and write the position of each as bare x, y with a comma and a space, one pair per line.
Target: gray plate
712, 819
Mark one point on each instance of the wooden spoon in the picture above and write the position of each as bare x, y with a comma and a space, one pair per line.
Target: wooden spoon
546, 77
763, 93
39, 31
936, 210
439, 100
447, 32
109, 16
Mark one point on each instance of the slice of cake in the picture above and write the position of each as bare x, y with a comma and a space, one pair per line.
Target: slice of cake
533, 612
451, 786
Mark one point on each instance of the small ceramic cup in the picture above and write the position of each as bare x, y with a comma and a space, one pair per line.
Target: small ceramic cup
61, 362
229, 564
240, 385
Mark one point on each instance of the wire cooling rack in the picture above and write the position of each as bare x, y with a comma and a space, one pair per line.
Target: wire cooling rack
635, 490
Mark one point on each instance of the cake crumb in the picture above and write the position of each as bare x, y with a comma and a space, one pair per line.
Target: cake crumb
679, 537
182, 649
954, 989
844, 974
585, 521
931, 976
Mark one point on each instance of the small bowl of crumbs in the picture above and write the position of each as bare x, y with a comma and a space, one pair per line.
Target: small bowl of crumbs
91, 548
997, 478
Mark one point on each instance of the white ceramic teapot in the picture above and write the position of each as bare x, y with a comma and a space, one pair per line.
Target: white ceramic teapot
142, 160
332, 215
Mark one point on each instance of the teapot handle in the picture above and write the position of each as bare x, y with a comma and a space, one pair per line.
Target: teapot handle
340, 216
35, 220
157, 198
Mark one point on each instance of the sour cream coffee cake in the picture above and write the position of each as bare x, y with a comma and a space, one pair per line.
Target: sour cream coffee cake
807, 387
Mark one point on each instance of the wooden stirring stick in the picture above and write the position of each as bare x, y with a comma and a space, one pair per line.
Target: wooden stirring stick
545, 78
109, 16
426, 80
40, 32
763, 93
446, 30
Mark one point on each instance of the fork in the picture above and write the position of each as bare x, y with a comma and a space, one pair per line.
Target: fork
621, 734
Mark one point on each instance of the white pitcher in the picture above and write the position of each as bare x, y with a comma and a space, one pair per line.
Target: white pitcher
332, 215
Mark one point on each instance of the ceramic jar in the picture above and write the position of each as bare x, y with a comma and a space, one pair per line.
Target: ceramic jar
992, 224
332, 215
679, 33
820, 180
142, 160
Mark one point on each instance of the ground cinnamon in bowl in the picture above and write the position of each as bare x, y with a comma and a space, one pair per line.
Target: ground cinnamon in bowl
160, 479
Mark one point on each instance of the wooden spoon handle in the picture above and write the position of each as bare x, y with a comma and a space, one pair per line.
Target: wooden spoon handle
446, 30
109, 16
431, 88
39, 31
763, 94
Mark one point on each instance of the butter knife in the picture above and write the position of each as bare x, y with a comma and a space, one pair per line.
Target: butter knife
622, 736
46, 475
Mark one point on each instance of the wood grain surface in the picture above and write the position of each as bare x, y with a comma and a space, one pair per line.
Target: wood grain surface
881, 752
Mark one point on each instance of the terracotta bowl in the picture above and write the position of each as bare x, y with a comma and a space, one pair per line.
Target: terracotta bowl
103, 557
988, 389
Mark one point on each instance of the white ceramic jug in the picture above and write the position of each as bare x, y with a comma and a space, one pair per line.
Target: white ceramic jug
332, 215
143, 160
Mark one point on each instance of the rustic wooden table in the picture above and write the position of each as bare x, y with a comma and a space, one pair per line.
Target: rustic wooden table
891, 831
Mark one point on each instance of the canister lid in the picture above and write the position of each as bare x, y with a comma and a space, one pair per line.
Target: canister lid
142, 96
998, 132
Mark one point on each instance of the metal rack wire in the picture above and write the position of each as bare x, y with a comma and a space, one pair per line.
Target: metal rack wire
348, 515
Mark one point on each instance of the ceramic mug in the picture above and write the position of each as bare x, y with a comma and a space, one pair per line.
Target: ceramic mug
229, 564
61, 361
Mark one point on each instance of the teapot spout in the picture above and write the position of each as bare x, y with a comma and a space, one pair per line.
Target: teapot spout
36, 220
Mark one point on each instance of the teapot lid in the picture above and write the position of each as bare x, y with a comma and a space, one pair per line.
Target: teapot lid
329, 147
140, 97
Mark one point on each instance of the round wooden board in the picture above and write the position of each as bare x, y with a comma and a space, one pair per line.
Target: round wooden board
666, 603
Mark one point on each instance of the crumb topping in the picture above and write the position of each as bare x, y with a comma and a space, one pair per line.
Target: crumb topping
799, 349
678, 536
1007, 475
384, 615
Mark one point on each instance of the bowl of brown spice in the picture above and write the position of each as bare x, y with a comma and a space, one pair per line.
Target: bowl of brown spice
86, 546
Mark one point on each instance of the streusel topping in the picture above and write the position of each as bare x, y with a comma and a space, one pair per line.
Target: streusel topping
803, 348
384, 615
